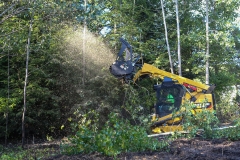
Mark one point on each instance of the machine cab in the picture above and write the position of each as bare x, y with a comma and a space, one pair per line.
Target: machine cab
169, 97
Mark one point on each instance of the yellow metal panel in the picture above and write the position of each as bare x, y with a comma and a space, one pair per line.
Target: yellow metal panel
163, 129
155, 72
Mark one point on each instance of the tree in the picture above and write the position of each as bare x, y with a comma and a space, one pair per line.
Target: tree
207, 45
26, 76
84, 39
178, 39
41, 98
166, 34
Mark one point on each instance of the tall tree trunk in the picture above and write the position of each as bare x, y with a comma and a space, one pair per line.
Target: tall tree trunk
115, 32
6, 132
84, 43
134, 3
25, 82
178, 37
166, 34
207, 45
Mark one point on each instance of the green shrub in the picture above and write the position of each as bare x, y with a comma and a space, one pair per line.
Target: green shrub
227, 112
193, 122
230, 133
207, 124
115, 137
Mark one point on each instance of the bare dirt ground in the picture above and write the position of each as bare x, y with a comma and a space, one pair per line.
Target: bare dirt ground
181, 149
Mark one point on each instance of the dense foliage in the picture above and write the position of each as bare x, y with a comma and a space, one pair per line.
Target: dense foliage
207, 124
116, 136
68, 67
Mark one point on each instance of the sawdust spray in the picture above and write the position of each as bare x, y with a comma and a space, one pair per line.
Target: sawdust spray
98, 57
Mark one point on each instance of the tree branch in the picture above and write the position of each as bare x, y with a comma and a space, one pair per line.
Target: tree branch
7, 10
21, 9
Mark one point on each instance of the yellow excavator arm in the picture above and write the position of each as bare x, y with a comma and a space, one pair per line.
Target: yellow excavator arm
154, 72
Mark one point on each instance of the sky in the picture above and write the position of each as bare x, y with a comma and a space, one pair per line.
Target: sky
238, 19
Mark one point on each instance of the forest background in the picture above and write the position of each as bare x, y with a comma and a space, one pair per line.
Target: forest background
61, 51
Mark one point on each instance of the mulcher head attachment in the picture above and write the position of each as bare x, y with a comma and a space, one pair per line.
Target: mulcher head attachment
123, 67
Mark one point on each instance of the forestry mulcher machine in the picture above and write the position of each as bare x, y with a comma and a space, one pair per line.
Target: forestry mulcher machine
171, 93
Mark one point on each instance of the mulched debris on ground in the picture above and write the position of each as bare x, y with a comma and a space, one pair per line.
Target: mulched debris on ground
181, 149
